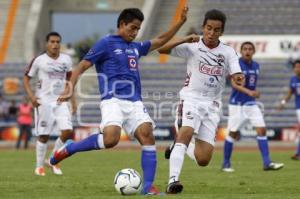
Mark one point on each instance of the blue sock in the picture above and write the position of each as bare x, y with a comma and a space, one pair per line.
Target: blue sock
228, 146
87, 144
264, 149
148, 160
298, 150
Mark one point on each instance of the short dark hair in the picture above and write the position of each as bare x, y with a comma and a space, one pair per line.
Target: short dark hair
248, 43
52, 34
296, 62
215, 14
130, 14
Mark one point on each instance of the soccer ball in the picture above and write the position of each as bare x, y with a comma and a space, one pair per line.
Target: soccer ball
128, 181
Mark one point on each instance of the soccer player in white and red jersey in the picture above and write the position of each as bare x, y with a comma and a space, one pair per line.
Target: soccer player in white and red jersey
52, 69
208, 63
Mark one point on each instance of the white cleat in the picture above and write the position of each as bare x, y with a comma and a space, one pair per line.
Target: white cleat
39, 171
274, 166
55, 169
228, 170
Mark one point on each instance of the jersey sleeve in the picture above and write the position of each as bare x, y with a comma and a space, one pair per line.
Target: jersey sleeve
233, 62
292, 85
70, 64
143, 47
97, 53
181, 50
32, 68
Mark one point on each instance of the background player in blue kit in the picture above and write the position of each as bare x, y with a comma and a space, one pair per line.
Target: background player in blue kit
243, 107
294, 89
116, 59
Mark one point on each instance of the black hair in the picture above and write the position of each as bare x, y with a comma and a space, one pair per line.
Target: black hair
248, 43
130, 14
296, 62
215, 15
52, 34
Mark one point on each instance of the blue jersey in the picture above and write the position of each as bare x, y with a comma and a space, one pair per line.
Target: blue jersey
116, 63
251, 71
295, 87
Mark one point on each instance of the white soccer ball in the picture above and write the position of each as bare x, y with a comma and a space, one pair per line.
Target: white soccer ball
128, 181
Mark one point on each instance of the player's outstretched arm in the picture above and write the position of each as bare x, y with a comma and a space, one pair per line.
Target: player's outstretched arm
76, 72
166, 49
285, 99
163, 38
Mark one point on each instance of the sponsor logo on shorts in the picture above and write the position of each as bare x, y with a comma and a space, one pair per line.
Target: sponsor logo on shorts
43, 123
189, 115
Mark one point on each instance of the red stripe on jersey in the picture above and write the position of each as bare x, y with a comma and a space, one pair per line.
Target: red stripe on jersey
29, 66
68, 76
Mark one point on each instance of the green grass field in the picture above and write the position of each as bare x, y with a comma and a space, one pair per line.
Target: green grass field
90, 175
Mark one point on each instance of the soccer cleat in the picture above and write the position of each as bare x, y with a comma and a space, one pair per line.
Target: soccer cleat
55, 169
60, 154
227, 169
174, 188
274, 166
168, 151
39, 171
154, 191
295, 157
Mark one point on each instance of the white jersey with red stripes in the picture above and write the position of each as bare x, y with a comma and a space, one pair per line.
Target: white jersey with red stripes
206, 69
51, 75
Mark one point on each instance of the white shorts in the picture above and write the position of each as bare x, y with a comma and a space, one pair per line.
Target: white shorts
203, 117
50, 117
238, 115
125, 114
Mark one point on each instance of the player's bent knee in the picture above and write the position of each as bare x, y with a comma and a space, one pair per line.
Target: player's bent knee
111, 143
203, 162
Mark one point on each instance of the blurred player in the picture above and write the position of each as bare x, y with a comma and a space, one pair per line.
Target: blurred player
116, 59
208, 62
52, 69
294, 89
243, 108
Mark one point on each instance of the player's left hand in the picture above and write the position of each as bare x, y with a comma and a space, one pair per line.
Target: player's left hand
192, 38
65, 96
183, 15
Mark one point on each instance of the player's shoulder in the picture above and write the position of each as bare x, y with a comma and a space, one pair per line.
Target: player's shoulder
64, 55
40, 57
226, 48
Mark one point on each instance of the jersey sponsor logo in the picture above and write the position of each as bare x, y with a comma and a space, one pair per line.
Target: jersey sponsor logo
252, 79
210, 70
132, 63
129, 51
118, 51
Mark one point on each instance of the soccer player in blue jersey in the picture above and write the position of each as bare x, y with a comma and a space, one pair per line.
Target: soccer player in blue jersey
116, 59
243, 107
294, 89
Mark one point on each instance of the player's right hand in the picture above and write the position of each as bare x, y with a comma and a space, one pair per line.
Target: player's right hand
34, 100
